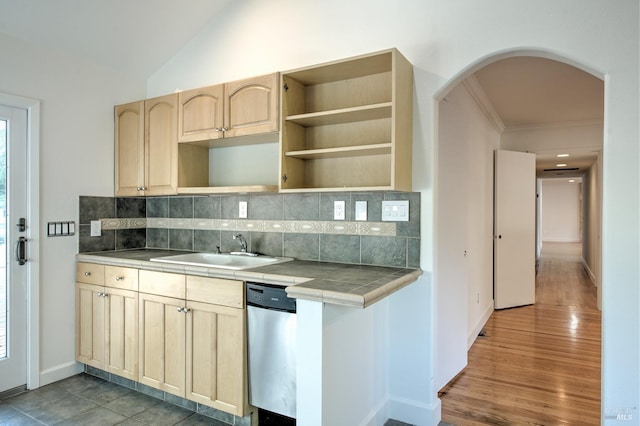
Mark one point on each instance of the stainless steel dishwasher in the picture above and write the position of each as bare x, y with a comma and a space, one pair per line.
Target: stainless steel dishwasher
271, 323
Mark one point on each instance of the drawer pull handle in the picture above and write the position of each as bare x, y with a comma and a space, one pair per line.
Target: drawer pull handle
119, 278
87, 274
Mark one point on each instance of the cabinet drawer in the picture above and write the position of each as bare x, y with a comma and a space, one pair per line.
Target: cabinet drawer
216, 290
90, 273
119, 277
162, 284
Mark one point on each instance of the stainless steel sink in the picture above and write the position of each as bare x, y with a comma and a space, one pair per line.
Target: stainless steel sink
224, 260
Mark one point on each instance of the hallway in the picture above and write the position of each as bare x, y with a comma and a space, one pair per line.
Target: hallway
537, 364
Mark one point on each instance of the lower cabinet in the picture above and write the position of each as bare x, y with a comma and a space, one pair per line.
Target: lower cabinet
190, 348
215, 356
162, 343
182, 334
107, 320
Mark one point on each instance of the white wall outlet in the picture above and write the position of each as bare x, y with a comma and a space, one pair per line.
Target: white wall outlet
338, 210
242, 210
395, 211
96, 228
361, 210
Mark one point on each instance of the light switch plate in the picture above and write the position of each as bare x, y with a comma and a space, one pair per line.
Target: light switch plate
96, 228
242, 210
395, 211
361, 210
338, 210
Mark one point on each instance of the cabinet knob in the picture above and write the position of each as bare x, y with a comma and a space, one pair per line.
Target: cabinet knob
119, 278
87, 274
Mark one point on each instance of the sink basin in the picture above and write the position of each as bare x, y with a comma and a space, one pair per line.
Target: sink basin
224, 261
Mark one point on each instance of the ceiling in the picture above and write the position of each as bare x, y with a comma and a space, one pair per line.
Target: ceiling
537, 92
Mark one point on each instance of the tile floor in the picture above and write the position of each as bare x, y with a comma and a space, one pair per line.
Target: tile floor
88, 400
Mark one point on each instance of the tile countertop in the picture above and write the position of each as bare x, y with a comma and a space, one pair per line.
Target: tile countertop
336, 283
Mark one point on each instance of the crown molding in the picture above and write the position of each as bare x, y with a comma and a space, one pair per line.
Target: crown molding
544, 126
482, 100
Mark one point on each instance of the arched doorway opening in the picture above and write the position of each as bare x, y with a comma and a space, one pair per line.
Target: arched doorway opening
490, 107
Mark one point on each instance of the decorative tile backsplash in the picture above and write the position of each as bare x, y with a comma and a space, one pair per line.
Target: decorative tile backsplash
292, 225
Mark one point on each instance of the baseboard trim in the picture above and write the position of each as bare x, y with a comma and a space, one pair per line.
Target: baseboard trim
592, 276
415, 412
471, 338
378, 416
60, 372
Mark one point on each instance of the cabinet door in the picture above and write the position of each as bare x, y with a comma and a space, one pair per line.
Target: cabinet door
252, 105
162, 343
90, 335
200, 114
161, 145
129, 143
121, 330
216, 373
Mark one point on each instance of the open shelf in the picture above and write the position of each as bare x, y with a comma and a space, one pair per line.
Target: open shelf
344, 115
348, 125
206, 190
345, 151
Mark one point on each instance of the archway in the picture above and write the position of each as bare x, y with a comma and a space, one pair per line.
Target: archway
469, 129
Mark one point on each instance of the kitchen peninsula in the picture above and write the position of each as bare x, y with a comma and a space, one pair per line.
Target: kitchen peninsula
328, 294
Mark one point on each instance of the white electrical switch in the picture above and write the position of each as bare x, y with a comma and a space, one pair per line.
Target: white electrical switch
338, 210
361, 210
242, 210
395, 211
96, 228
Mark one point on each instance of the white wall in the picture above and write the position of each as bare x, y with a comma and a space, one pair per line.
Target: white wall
76, 154
445, 41
464, 227
561, 211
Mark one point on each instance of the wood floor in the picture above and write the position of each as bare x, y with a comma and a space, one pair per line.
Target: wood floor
539, 364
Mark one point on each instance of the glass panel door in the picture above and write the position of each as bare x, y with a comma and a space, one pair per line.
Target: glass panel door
13, 274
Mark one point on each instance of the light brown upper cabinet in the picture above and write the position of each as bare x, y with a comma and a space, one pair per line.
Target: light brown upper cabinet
146, 147
238, 108
235, 116
347, 125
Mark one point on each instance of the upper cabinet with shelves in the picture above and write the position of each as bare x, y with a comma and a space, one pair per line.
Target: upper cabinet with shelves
343, 125
348, 125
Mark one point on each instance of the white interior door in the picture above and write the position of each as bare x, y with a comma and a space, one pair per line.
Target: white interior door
13, 282
515, 229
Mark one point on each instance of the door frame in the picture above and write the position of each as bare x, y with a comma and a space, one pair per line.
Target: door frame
33, 232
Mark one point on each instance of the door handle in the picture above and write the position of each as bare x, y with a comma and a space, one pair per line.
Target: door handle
21, 251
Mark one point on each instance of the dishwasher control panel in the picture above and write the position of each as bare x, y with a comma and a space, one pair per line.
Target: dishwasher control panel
269, 297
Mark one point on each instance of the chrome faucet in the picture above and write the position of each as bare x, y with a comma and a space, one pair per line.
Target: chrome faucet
243, 242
